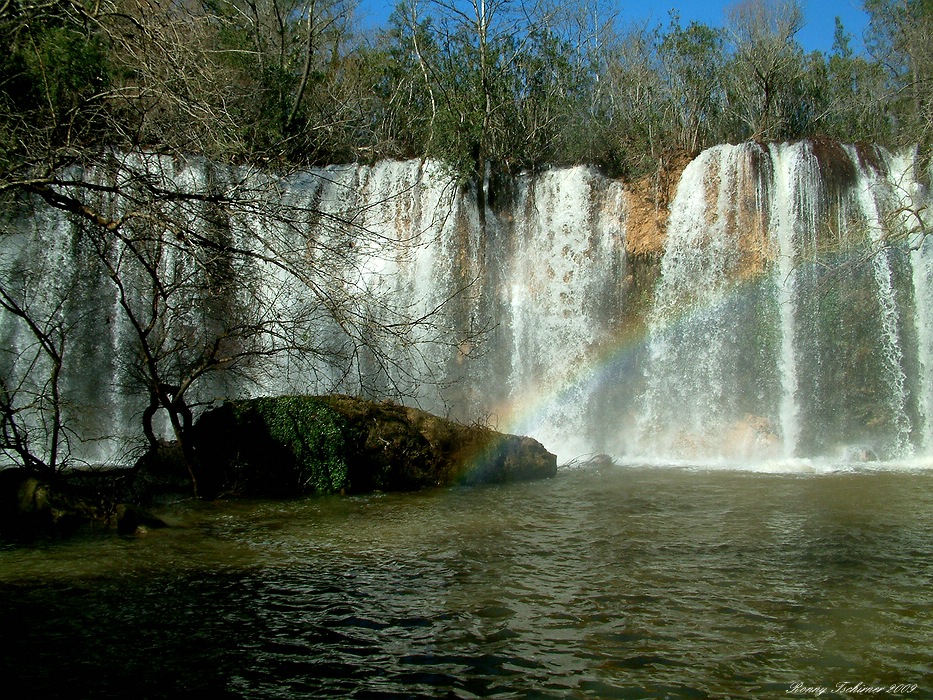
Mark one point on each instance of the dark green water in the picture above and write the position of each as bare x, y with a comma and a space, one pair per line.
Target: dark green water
620, 582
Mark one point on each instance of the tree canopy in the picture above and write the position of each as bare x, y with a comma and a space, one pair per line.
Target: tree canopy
511, 83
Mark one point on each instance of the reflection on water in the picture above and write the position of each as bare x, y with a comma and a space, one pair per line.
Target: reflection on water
619, 582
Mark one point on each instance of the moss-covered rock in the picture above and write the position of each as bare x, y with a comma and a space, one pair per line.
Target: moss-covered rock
275, 447
270, 447
293, 445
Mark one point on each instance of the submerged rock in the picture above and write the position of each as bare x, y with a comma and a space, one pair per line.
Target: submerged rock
293, 445
133, 520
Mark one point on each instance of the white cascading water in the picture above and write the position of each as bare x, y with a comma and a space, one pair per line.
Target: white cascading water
396, 218
880, 197
921, 258
821, 342
685, 398
721, 365
783, 217
770, 335
562, 261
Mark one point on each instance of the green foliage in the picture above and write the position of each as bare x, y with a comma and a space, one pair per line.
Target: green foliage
694, 68
498, 84
312, 432
52, 80
898, 42
64, 68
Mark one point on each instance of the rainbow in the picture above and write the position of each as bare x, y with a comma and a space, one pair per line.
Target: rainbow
531, 410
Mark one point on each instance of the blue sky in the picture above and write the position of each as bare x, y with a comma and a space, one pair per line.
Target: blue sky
817, 34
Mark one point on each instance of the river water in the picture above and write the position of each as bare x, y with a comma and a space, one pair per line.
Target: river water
628, 582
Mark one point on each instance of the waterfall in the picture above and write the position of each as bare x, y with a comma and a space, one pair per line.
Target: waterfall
687, 341
873, 188
784, 317
704, 341
921, 259
785, 271
562, 268
778, 322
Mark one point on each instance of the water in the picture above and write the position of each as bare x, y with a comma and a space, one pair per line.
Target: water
623, 582
766, 325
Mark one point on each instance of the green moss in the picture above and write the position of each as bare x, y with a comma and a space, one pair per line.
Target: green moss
314, 434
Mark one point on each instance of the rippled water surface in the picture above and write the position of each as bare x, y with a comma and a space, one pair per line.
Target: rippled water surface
620, 582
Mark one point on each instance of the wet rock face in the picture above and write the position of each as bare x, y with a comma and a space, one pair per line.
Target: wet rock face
293, 445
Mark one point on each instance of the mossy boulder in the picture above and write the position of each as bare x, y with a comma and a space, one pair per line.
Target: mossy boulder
293, 445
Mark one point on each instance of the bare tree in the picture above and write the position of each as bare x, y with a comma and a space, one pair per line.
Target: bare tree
188, 246
32, 424
767, 61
